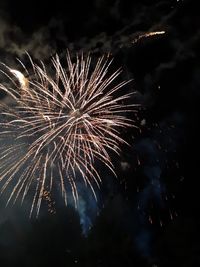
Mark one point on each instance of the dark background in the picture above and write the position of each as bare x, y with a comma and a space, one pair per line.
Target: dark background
150, 215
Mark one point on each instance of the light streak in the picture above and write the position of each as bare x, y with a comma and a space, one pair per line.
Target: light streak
147, 35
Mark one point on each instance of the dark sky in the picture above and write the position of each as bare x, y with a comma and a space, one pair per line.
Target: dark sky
150, 215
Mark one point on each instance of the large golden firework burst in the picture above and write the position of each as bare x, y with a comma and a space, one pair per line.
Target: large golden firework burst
59, 127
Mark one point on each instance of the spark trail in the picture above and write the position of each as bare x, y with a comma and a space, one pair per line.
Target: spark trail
147, 35
60, 126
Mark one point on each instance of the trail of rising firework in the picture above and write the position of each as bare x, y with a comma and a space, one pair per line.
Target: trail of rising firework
147, 35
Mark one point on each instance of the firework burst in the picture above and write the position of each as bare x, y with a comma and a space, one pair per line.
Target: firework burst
60, 125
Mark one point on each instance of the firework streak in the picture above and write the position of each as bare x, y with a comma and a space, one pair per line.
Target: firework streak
147, 35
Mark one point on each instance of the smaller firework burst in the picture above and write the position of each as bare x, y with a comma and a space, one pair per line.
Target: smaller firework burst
60, 126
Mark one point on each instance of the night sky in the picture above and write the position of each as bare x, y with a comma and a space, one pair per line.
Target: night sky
149, 215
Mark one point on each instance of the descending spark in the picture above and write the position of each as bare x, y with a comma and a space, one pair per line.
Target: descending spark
60, 126
146, 35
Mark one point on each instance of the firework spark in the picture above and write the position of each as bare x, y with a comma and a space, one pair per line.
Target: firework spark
60, 126
147, 35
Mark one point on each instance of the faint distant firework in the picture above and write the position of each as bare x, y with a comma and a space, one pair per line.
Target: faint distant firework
59, 127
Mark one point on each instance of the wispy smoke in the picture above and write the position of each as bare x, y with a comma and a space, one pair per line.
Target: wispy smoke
155, 153
88, 208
